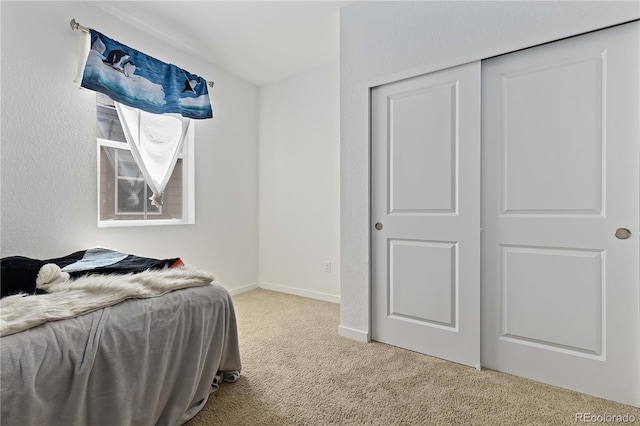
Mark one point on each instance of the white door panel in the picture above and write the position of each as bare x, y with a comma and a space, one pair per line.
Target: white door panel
426, 194
560, 175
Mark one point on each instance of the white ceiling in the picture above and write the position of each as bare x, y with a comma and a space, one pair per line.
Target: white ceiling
258, 41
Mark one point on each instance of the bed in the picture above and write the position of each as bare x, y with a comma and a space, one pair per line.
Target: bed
148, 359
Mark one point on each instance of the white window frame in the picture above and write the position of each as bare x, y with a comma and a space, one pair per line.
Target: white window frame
188, 186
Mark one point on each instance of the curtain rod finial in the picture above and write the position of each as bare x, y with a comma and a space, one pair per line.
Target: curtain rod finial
76, 26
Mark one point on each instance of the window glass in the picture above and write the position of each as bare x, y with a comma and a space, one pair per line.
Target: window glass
123, 193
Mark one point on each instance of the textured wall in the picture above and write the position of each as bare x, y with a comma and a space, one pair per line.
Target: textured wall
299, 201
384, 41
48, 150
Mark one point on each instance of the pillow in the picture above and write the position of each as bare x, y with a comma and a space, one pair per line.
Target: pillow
18, 274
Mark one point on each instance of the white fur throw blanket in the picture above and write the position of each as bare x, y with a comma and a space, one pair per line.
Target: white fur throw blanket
70, 298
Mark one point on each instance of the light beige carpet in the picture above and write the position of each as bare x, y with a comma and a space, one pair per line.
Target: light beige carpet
298, 371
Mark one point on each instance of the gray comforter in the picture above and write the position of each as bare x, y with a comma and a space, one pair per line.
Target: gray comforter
140, 362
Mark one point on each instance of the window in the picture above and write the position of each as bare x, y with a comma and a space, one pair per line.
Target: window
123, 194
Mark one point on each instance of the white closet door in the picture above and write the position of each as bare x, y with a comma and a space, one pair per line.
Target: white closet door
560, 178
426, 199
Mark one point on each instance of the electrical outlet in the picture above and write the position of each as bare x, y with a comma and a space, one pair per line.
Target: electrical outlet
327, 266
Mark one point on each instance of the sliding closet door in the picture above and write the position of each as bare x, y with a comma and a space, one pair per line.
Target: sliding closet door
560, 213
425, 214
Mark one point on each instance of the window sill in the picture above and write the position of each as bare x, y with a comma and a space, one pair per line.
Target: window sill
150, 222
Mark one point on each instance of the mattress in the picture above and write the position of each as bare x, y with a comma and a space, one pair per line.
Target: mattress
140, 362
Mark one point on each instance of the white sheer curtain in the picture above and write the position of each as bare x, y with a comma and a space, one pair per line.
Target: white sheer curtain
155, 141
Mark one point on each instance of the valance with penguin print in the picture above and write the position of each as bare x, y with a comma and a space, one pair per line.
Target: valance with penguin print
140, 81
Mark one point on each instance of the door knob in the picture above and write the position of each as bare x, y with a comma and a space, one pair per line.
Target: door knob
378, 226
622, 233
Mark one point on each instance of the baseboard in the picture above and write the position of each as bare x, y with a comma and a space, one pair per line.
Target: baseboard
243, 289
299, 292
350, 333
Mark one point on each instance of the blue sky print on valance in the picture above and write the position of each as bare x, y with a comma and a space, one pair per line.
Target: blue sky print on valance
141, 81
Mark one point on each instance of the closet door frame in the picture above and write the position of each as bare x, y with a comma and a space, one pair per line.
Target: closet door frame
414, 72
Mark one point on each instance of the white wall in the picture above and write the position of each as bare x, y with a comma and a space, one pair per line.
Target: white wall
384, 41
48, 150
299, 225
